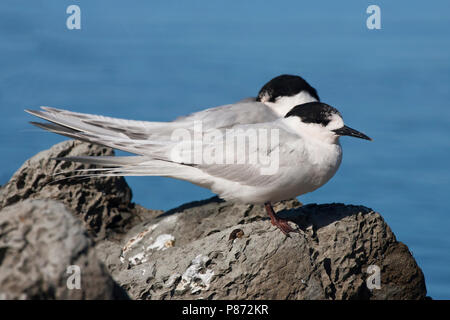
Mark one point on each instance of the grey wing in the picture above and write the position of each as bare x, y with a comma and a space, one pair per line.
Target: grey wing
226, 116
249, 99
275, 155
247, 111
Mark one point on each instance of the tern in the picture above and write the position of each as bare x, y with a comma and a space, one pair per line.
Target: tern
273, 101
307, 144
276, 98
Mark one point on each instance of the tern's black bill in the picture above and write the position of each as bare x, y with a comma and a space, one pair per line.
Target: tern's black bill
347, 131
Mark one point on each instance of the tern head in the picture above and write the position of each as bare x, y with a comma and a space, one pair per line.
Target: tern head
321, 121
284, 92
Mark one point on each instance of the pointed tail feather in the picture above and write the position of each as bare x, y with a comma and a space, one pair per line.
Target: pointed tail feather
93, 129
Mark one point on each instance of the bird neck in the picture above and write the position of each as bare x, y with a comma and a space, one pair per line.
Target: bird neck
284, 104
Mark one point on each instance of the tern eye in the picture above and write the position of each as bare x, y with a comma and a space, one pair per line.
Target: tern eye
322, 121
314, 112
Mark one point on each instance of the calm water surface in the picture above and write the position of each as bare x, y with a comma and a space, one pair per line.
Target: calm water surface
158, 60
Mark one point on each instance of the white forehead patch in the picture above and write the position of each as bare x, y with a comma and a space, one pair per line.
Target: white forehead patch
336, 122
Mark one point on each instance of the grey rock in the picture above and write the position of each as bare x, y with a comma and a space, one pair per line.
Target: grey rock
103, 204
41, 248
195, 252
207, 249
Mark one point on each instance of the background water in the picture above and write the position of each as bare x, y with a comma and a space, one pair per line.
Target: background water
155, 60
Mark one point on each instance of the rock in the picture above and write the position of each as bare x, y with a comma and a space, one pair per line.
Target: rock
103, 204
189, 222
41, 248
208, 249
216, 250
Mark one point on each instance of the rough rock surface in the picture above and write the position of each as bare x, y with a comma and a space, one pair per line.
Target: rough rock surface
103, 204
39, 242
187, 253
208, 249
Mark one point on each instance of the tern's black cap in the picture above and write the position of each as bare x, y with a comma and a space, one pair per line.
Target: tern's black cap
314, 112
285, 85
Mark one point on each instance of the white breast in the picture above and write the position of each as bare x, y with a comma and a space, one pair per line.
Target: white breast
314, 166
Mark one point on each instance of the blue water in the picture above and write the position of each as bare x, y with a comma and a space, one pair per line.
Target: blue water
156, 60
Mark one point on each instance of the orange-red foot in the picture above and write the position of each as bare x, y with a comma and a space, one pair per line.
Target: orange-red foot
281, 224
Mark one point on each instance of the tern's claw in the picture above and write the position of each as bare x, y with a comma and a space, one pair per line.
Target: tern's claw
281, 224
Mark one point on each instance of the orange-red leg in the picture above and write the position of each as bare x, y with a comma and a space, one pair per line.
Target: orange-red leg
281, 224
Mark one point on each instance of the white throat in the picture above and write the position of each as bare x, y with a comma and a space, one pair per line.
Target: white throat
283, 105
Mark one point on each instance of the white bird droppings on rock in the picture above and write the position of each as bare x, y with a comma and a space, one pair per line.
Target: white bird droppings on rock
162, 242
138, 258
135, 240
172, 279
193, 277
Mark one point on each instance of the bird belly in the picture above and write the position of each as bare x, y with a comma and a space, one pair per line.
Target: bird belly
292, 181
